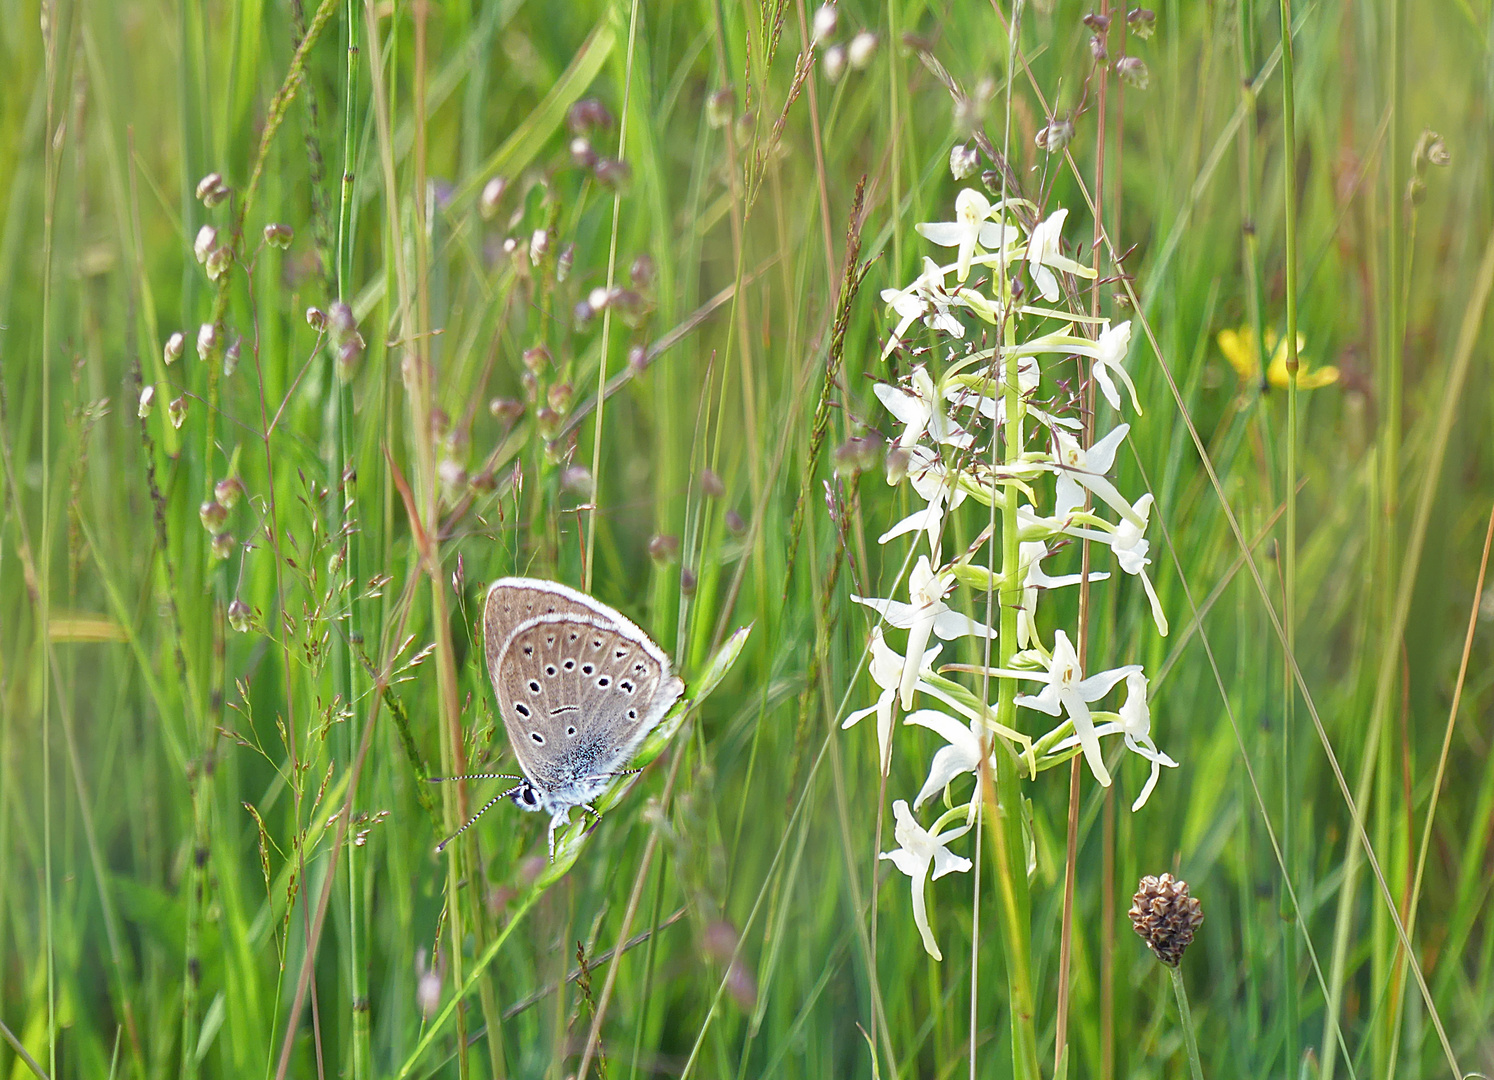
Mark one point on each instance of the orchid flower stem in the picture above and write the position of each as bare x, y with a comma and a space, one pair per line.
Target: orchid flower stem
1190, 1039
1008, 849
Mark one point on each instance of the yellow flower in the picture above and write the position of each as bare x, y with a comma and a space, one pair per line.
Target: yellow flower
1238, 347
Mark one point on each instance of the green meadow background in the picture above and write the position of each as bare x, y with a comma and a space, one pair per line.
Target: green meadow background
185, 805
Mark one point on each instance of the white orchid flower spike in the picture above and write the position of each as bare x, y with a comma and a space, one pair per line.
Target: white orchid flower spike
921, 855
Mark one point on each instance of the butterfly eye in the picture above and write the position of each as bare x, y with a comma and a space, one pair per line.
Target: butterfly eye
550, 670
604, 681
570, 731
569, 665
632, 714
619, 654
587, 669
521, 708
534, 687
537, 737
638, 668
596, 643
625, 686
574, 635
528, 650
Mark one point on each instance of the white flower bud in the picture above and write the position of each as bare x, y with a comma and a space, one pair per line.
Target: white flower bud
147, 399
824, 22
834, 63
209, 184
207, 240
963, 161
863, 46
174, 346
207, 341
176, 412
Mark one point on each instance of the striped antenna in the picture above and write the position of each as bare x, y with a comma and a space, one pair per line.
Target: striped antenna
486, 806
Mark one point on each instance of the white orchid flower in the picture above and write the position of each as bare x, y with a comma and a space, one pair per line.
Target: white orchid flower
924, 299
1110, 354
962, 755
1069, 693
921, 854
927, 615
1135, 725
886, 666
1030, 557
1130, 546
1079, 468
931, 480
1044, 255
971, 227
921, 409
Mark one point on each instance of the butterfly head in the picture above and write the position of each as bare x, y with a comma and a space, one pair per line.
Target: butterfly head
525, 795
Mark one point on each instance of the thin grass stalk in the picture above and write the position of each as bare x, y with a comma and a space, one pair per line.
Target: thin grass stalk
1108, 822
601, 398
41, 601
343, 479
1289, 798
1076, 766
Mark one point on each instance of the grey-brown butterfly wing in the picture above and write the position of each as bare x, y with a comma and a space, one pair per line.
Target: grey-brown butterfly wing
512, 600
578, 693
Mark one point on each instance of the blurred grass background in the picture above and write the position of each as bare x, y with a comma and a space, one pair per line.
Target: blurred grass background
171, 788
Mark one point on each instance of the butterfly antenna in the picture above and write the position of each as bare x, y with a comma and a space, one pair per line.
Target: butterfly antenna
474, 776
468, 823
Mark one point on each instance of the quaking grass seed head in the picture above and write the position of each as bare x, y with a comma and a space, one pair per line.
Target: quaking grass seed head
1165, 916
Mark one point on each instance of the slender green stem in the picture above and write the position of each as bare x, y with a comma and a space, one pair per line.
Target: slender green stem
1190, 1038
1289, 560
